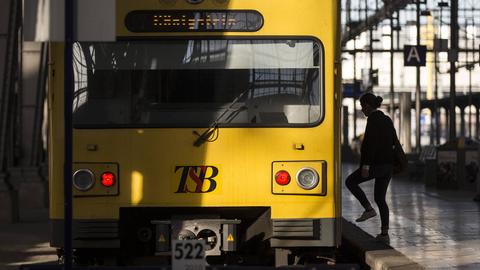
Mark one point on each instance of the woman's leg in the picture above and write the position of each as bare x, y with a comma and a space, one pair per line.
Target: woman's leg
352, 182
381, 186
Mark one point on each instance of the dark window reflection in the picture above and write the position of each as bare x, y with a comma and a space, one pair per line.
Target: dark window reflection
190, 83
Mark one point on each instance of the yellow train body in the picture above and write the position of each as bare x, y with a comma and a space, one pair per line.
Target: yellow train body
149, 162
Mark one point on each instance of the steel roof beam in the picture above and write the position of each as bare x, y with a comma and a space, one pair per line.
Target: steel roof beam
385, 12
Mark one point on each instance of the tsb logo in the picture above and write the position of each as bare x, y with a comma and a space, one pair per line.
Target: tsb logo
194, 178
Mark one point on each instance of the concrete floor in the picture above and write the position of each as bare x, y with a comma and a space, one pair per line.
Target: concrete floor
439, 229
24, 243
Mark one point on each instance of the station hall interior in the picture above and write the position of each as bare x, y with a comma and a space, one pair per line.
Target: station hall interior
421, 56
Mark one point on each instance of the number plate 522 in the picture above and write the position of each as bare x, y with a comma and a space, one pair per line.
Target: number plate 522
188, 255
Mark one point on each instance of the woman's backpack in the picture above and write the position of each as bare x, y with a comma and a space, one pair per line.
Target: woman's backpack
399, 157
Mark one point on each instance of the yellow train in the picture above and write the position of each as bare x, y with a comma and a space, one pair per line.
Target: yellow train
215, 120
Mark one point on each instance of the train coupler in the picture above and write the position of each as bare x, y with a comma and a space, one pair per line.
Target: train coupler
220, 235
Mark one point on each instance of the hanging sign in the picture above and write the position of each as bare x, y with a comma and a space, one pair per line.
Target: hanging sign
415, 56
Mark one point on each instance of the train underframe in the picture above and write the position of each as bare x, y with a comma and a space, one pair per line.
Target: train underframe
233, 236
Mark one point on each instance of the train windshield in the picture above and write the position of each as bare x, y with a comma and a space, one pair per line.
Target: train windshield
192, 82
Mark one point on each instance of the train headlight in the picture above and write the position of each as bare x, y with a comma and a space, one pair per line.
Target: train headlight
307, 178
83, 179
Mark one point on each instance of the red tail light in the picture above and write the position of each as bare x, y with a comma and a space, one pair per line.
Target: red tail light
108, 179
282, 178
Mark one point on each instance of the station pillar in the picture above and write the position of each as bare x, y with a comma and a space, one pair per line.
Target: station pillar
27, 174
8, 201
447, 123
8, 196
32, 192
477, 121
345, 124
405, 129
462, 122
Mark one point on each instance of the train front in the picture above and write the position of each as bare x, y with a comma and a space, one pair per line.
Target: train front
214, 121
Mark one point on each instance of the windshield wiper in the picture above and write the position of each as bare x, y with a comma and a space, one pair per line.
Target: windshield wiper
213, 127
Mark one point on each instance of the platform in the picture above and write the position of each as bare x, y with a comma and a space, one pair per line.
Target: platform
25, 243
438, 229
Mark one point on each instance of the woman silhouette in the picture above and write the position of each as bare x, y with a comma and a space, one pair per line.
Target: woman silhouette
376, 162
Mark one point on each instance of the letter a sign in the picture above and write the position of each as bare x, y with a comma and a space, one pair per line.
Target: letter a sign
415, 56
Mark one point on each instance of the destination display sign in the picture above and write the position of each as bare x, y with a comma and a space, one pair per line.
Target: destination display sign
144, 21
